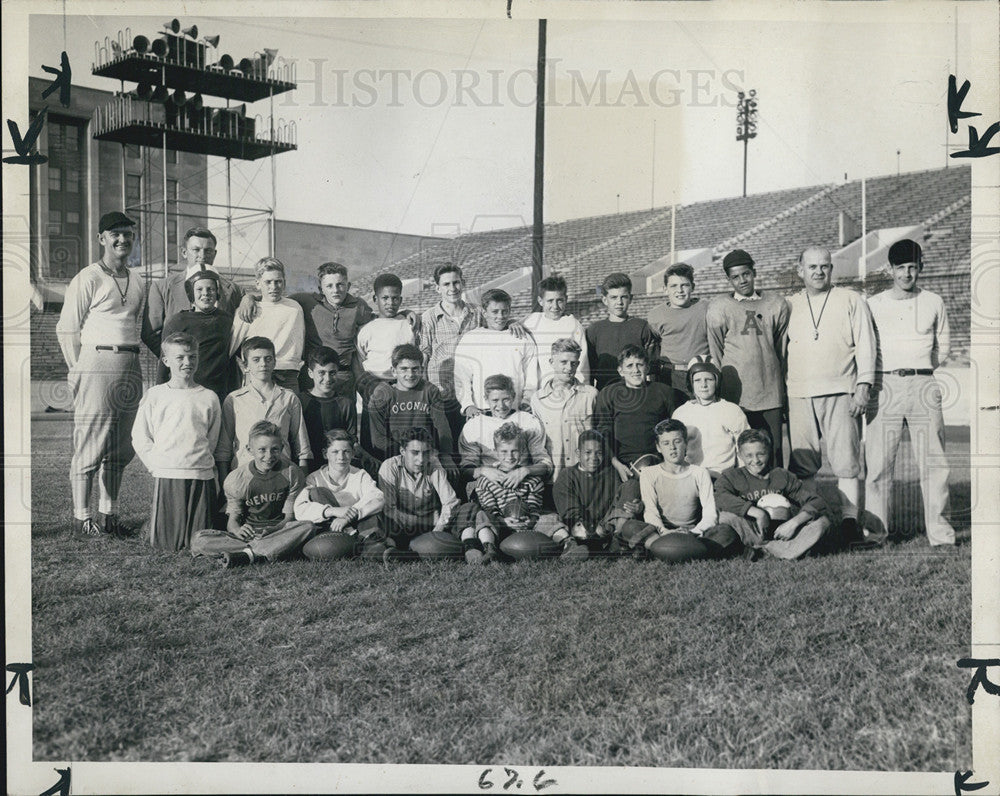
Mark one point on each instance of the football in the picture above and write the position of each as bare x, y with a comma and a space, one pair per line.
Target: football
328, 546
437, 544
526, 545
676, 548
778, 508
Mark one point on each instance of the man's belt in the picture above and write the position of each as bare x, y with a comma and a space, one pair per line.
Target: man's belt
908, 372
119, 349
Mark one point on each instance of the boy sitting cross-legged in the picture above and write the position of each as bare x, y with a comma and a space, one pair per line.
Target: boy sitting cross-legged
678, 496
595, 505
476, 441
507, 506
418, 497
260, 496
742, 495
174, 434
260, 399
713, 424
341, 498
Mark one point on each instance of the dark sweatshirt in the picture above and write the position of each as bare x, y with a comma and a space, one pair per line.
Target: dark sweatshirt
736, 490
626, 417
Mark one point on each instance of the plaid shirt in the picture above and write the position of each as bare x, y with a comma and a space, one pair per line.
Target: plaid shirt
439, 335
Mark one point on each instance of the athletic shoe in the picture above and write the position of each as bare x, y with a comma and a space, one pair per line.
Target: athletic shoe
86, 527
393, 554
856, 538
474, 556
752, 554
233, 560
572, 551
490, 553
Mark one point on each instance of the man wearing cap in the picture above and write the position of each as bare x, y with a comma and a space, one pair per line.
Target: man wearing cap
168, 296
746, 337
831, 366
912, 329
99, 336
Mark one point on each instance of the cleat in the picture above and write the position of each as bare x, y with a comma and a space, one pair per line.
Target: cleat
233, 560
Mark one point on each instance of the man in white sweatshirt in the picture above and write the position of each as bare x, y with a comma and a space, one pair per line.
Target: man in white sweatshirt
914, 339
831, 366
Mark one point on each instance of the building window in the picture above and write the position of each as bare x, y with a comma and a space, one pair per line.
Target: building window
66, 196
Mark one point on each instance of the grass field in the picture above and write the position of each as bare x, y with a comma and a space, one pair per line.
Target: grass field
842, 662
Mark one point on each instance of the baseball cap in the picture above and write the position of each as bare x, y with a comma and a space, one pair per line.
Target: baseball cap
112, 220
905, 251
736, 257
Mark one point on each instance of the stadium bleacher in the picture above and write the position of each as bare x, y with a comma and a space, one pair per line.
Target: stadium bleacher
774, 227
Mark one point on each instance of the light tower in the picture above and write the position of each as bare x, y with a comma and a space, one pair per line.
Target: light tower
746, 125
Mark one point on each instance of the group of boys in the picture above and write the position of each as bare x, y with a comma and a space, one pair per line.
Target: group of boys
482, 428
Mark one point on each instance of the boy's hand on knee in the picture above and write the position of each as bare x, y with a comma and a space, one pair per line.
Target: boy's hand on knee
761, 519
786, 530
242, 532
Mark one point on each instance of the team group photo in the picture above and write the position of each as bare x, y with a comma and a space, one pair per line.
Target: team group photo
473, 420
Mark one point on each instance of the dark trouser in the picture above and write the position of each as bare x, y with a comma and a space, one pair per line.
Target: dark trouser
366, 383
768, 420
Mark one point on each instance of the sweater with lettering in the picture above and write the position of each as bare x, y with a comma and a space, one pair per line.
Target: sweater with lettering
394, 410
737, 490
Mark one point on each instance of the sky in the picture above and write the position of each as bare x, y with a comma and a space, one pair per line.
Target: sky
427, 126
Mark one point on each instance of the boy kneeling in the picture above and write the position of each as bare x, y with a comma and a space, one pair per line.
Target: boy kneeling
342, 498
260, 496
749, 498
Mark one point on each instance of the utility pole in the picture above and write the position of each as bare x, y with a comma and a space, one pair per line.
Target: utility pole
746, 126
538, 231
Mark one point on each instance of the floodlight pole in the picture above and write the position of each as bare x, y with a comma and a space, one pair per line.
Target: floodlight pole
746, 126
538, 230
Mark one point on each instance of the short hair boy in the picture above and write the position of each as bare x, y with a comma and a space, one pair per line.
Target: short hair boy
475, 444
260, 399
410, 401
418, 497
713, 424
378, 337
341, 498
494, 349
746, 338
324, 407
175, 433
279, 319
564, 406
626, 410
260, 500
678, 497
211, 328
746, 499
607, 337
681, 326
594, 504
553, 323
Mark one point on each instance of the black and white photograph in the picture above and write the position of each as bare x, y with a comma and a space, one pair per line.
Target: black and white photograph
595, 397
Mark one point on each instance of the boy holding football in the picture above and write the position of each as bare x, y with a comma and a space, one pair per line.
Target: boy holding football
175, 434
340, 498
746, 497
260, 499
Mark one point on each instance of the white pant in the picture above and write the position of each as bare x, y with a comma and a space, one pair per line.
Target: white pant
915, 400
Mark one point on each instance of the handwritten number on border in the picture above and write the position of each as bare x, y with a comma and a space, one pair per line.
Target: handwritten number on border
980, 678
